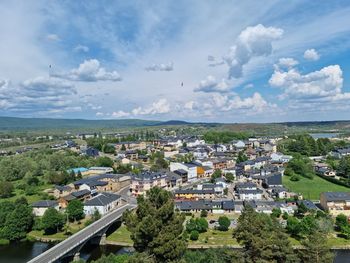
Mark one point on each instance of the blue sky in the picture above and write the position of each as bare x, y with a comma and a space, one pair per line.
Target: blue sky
226, 61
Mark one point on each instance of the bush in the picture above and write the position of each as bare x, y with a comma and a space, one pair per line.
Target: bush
224, 223
204, 213
194, 235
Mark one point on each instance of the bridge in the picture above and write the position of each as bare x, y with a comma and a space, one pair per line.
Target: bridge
71, 246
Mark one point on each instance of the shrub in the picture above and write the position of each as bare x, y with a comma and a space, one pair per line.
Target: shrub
194, 235
224, 223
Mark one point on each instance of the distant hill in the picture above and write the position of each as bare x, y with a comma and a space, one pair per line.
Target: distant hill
13, 123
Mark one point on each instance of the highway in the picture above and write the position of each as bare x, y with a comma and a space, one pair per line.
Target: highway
82, 236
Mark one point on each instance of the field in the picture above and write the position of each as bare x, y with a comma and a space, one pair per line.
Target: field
311, 189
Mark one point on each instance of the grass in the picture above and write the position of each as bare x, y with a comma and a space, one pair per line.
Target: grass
311, 188
17, 193
121, 235
73, 228
215, 238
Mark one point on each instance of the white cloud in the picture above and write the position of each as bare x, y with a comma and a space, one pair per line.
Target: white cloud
120, 114
99, 114
159, 107
189, 105
81, 48
252, 42
38, 95
91, 71
286, 63
161, 67
210, 84
53, 37
318, 86
311, 54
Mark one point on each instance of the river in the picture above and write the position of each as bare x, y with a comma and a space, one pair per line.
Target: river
24, 251
324, 135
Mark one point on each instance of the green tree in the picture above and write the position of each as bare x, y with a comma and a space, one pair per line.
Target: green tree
6, 189
263, 238
156, 228
18, 223
241, 157
6, 208
276, 212
52, 221
316, 249
340, 221
229, 177
96, 215
75, 210
104, 162
216, 174
224, 223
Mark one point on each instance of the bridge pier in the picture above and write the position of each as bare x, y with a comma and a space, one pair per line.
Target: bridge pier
76, 256
103, 239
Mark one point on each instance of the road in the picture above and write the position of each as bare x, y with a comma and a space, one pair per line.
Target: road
79, 238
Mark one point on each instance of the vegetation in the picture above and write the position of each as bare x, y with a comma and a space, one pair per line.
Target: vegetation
224, 136
52, 221
298, 167
156, 228
16, 220
199, 224
311, 189
224, 223
75, 210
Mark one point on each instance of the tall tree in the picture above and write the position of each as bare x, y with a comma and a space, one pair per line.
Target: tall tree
263, 238
52, 221
75, 210
316, 249
156, 228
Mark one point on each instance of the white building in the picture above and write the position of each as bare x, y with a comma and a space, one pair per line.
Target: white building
191, 169
40, 207
103, 203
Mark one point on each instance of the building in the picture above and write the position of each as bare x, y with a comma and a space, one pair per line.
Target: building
140, 183
195, 194
336, 202
40, 207
103, 203
190, 168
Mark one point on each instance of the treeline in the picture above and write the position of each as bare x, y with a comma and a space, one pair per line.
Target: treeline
299, 166
28, 171
306, 145
224, 136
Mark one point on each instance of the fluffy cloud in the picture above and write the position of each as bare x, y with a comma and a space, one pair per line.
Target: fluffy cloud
120, 114
254, 104
324, 85
161, 67
210, 84
38, 95
311, 54
286, 63
159, 107
91, 71
81, 48
252, 42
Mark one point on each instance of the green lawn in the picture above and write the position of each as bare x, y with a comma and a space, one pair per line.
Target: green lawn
121, 235
17, 193
311, 189
215, 238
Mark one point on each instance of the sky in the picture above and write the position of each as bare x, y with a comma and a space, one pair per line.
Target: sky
208, 61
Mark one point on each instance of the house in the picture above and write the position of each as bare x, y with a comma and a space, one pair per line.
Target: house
336, 202
194, 206
341, 152
280, 158
140, 183
246, 194
40, 207
190, 168
61, 191
99, 170
103, 203
273, 180
92, 152
82, 170
194, 194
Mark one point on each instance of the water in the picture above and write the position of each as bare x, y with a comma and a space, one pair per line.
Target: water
324, 135
24, 251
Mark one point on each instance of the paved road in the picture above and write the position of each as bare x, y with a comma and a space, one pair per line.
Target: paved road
83, 235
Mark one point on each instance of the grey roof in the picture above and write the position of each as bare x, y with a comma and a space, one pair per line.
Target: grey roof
198, 205
63, 187
45, 203
181, 172
275, 179
80, 193
194, 191
309, 204
248, 191
245, 185
102, 199
336, 196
